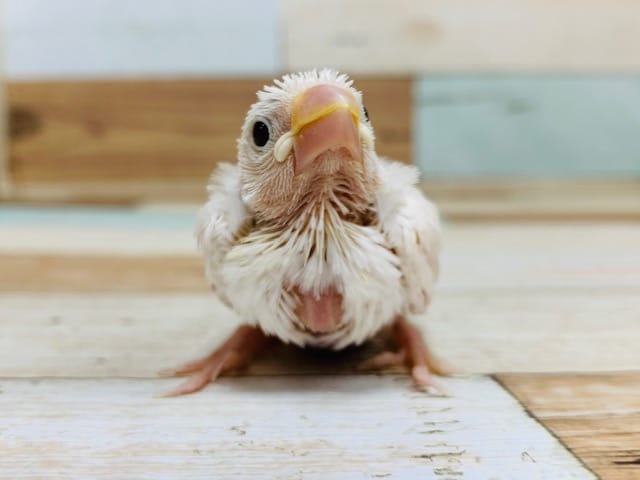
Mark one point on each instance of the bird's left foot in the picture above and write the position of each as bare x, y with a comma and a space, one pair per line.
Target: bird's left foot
413, 352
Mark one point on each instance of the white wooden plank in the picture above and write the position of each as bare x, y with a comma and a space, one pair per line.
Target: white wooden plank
111, 38
96, 240
541, 255
327, 427
100, 335
461, 35
476, 255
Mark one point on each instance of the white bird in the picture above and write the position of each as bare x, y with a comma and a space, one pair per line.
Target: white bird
312, 237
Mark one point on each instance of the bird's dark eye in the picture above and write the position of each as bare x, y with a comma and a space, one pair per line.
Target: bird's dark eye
260, 133
366, 113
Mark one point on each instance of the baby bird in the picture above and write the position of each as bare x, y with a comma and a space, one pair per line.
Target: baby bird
312, 237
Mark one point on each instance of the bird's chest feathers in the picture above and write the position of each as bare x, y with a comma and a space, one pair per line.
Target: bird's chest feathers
320, 255
313, 253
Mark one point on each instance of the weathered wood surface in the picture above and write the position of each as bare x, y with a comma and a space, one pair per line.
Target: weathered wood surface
127, 334
483, 256
460, 200
459, 35
108, 132
596, 415
512, 297
78, 273
318, 427
90, 296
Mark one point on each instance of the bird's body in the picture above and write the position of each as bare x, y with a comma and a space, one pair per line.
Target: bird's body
311, 237
380, 264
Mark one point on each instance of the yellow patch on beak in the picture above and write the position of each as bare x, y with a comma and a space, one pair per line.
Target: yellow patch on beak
301, 117
313, 107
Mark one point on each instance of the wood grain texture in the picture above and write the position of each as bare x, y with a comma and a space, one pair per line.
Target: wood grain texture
320, 427
91, 295
459, 200
459, 35
136, 334
131, 131
487, 256
595, 415
77, 273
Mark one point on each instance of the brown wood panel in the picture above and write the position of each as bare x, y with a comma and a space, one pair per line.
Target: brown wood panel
70, 132
464, 201
595, 415
81, 273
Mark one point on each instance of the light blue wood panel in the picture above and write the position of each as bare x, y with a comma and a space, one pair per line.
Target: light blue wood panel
111, 38
528, 126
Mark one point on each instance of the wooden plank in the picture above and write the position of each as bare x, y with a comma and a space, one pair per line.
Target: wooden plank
596, 415
519, 126
137, 334
78, 273
109, 38
96, 241
517, 200
83, 131
331, 427
132, 131
477, 256
459, 35
4, 167
459, 200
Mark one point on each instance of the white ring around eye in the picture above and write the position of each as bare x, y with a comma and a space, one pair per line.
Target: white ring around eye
283, 146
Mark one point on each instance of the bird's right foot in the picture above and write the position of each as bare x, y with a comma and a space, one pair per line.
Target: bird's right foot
233, 354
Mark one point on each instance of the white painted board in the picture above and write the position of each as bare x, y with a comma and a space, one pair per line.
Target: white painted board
137, 335
414, 36
311, 427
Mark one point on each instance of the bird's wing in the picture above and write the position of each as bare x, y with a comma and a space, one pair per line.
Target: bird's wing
221, 222
411, 226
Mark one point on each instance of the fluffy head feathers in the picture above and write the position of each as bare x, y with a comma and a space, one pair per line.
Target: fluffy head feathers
271, 187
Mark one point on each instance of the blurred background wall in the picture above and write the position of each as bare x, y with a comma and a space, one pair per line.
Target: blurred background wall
121, 101
3, 114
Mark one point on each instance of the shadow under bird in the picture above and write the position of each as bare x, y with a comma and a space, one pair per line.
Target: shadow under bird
312, 237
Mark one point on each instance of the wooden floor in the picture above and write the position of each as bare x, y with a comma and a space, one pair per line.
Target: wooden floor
544, 316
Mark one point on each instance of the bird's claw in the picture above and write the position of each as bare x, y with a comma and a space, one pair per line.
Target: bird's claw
235, 353
414, 353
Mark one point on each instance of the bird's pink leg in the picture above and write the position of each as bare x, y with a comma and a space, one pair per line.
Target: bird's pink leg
234, 353
413, 351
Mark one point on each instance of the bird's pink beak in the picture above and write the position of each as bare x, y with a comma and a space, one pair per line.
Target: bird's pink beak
324, 118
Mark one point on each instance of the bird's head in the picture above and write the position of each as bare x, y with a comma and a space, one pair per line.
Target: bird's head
307, 140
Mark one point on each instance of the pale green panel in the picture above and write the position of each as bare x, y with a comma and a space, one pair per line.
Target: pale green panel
528, 126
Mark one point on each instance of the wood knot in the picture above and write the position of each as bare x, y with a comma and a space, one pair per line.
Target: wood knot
23, 122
